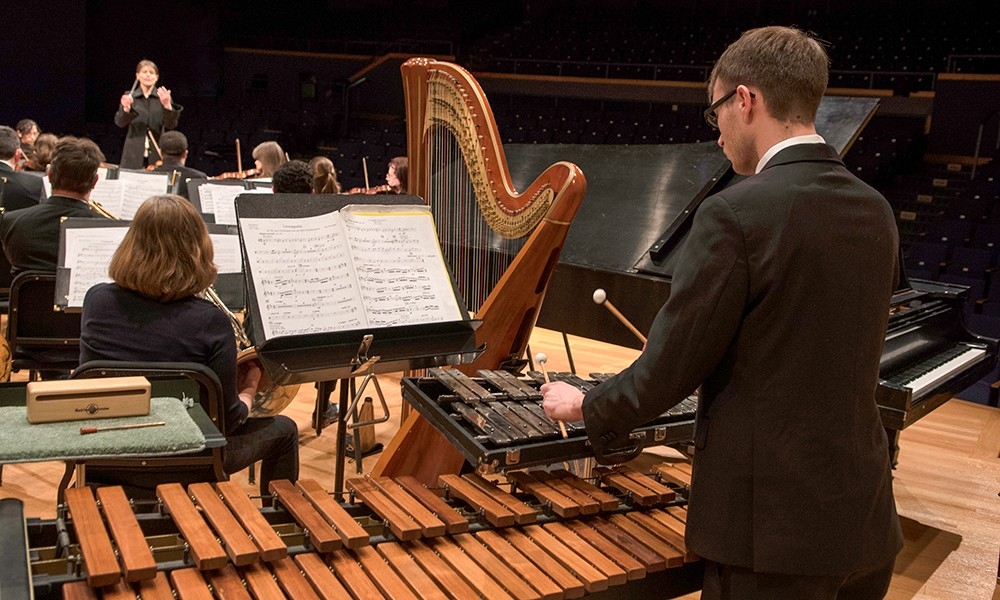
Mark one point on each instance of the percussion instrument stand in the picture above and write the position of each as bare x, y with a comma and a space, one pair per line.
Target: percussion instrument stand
361, 365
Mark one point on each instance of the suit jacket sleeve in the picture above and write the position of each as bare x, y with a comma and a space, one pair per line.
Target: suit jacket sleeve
689, 337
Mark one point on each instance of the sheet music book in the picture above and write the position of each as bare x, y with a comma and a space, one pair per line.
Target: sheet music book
219, 199
122, 195
87, 245
364, 266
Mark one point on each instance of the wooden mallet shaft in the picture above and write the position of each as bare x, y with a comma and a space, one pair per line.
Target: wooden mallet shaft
600, 297
541, 359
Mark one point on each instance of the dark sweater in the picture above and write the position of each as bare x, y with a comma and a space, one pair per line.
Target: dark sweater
121, 324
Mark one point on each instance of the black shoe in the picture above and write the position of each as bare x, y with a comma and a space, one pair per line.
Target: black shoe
330, 415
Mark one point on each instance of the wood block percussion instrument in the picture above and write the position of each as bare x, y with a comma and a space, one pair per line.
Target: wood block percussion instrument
539, 534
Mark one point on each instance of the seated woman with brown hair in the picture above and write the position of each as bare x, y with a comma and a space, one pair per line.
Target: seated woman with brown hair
268, 156
152, 312
41, 156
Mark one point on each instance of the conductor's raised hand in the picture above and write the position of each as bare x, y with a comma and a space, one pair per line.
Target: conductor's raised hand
164, 95
126, 102
562, 402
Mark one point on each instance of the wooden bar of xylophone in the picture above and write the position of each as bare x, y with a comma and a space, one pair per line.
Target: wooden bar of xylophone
541, 534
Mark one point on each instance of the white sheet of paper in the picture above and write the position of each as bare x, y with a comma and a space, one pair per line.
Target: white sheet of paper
88, 253
227, 253
137, 188
302, 274
402, 275
108, 193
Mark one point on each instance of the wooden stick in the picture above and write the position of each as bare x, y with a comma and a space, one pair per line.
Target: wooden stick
364, 165
149, 134
541, 359
86, 430
239, 159
601, 297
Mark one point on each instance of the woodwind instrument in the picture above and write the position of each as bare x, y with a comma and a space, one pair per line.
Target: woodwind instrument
539, 534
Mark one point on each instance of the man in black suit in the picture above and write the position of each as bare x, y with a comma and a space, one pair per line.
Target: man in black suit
17, 190
778, 309
174, 149
30, 236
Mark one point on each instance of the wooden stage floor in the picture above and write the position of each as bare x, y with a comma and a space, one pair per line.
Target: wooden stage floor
946, 484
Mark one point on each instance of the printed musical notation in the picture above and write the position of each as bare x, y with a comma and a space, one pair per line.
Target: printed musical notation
364, 266
220, 200
88, 252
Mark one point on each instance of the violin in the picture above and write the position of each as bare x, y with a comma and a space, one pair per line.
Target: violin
245, 174
242, 173
378, 189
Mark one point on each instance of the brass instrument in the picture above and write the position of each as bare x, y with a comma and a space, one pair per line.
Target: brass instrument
270, 399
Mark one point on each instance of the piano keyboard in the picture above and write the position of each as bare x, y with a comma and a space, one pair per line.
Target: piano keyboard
924, 376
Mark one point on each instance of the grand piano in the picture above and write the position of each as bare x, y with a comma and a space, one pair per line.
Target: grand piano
638, 209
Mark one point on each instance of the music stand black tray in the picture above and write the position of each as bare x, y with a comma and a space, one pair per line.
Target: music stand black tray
335, 355
674, 426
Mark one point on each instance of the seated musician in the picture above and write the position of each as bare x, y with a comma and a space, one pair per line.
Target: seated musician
324, 176
778, 309
30, 236
268, 156
17, 189
41, 155
174, 150
152, 313
395, 176
293, 177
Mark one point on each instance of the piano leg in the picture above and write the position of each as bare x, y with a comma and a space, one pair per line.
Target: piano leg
893, 437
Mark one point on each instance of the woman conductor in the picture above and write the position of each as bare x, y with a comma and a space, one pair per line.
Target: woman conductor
147, 111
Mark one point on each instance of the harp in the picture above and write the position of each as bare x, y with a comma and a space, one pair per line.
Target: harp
501, 246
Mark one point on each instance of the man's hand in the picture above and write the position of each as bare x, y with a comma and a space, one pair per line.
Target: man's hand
562, 402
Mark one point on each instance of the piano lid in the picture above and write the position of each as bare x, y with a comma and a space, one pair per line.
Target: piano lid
637, 197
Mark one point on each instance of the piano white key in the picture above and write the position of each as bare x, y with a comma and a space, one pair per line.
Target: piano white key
923, 384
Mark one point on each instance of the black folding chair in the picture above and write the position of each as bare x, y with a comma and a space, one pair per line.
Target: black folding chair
40, 337
140, 476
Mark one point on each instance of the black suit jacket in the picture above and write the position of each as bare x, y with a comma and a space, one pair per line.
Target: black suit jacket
186, 173
20, 190
778, 310
30, 236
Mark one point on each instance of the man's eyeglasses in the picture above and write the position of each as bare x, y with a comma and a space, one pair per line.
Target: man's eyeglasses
713, 119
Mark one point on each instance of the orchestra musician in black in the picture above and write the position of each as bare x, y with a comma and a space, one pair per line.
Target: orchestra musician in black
778, 309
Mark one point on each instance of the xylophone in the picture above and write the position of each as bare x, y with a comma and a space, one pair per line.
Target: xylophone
497, 422
541, 534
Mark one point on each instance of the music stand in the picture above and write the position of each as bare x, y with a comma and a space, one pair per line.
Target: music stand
344, 354
104, 235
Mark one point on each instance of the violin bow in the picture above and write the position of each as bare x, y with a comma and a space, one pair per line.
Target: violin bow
239, 159
364, 163
149, 134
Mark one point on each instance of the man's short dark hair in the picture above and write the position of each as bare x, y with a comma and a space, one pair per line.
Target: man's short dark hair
293, 177
173, 143
74, 164
9, 142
